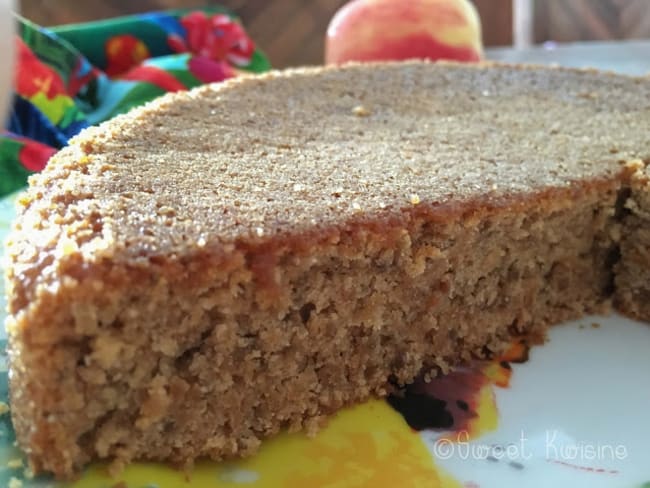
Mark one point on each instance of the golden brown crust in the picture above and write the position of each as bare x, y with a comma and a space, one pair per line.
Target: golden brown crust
285, 151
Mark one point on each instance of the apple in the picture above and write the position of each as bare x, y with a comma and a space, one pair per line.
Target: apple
382, 30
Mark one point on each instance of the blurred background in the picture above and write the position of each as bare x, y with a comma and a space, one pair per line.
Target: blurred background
292, 31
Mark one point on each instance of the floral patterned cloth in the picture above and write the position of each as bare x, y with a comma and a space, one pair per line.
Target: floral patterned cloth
73, 76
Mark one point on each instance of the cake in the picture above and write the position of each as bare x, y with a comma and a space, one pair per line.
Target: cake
190, 278
633, 272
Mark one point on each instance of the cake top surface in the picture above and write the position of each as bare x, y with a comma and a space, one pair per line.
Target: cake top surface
286, 151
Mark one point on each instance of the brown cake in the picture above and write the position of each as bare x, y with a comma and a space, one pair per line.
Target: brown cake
190, 278
633, 271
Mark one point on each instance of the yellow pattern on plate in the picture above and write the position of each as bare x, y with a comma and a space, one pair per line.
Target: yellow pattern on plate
366, 445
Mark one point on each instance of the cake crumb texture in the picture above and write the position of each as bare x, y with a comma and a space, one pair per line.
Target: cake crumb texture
633, 271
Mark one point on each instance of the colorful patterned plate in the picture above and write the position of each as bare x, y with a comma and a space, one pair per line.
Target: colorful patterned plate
573, 412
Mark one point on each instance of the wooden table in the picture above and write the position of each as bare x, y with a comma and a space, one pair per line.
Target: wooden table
630, 57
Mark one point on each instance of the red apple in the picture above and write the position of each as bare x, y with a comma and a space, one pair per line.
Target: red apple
380, 30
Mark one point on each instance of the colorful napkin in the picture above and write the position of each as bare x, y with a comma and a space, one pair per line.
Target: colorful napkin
73, 76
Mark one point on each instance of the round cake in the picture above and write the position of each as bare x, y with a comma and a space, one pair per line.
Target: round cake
194, 276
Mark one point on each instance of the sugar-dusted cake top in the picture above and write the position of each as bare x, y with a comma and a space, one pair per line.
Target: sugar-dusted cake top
286, 151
